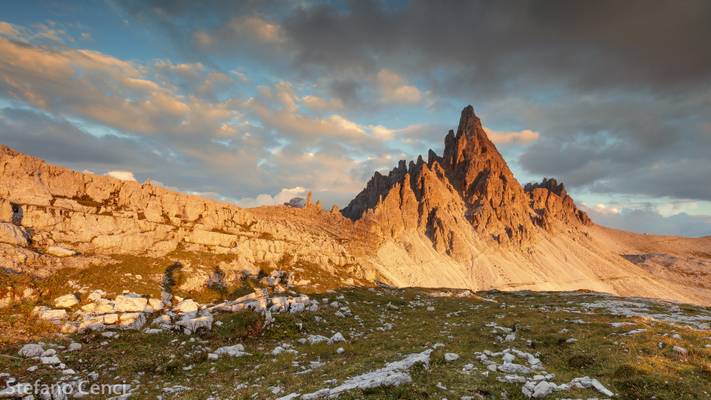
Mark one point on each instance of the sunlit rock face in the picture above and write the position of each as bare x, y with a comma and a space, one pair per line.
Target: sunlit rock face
468, 194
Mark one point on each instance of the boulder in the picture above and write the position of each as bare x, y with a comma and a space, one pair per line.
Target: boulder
337, 337
96, 295
132, 321
449, 357
130, 303
6, 213
31, 350
155, 304
191, 325
13, 234
66, 301
232, 351
48, 314
110, 319
186, 306
59, 251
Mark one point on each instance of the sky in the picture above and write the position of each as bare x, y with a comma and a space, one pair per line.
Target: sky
256, 102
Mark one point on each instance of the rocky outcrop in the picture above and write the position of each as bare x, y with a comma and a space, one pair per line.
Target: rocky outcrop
467, 195
552, 204
70, 213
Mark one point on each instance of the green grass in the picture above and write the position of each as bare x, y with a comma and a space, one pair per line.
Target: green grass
633, 367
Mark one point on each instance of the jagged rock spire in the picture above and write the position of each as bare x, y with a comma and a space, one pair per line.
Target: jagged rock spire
469, 189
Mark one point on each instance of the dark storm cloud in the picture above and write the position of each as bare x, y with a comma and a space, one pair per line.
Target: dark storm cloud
493, 45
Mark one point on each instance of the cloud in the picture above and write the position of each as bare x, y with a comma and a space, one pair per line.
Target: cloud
282, 197
58, 140
648, 220
122, 175
321, 104
512, 137
8, 29
600, 209
394, 88
105, 90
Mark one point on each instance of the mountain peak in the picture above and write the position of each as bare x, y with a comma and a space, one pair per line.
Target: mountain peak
467, 194
469, 123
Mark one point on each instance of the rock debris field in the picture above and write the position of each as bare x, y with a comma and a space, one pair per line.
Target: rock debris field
380, 343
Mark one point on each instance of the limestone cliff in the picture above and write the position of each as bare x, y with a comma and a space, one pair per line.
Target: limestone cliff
91, 215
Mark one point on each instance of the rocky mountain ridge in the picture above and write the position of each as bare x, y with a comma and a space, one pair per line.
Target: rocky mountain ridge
460, 220
51, 217
468, 194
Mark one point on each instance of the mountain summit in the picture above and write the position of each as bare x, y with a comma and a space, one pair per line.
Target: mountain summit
469, 194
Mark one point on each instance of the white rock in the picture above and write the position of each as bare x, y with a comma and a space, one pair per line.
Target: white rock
109, 319
232, 351
186, 306
300, 307
337, 337
31, 350
449, 357
155, 304
680, 350
48, 314
543, 389
514, 368
13, 234
393, 374
130, 303
314, 339
191, 325
59, 251
51, 360
96, 295
66, 301
132, 320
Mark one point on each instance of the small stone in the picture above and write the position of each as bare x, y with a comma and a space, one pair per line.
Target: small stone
337, 337
232, 351
52, 360
449, 357
680, 350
